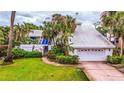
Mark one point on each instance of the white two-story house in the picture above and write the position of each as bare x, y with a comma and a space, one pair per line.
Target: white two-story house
88, 43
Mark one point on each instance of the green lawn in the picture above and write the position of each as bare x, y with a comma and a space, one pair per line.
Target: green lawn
36, 69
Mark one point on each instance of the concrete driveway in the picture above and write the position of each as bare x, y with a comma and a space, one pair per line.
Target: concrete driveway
99, 71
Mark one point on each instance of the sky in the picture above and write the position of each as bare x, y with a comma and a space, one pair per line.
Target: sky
37, 17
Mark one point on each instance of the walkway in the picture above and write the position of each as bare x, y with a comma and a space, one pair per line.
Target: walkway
99, 71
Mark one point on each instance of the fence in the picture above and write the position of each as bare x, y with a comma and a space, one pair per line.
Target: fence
30, 47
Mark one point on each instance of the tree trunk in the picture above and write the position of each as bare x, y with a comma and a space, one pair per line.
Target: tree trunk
8, 59
54, 42
66, 53
110, 35
121, 51
33, 47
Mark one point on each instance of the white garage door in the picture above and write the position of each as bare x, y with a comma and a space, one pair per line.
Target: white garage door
91, 54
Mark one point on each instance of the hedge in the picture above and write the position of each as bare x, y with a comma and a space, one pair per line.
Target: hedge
20, 53
67, 59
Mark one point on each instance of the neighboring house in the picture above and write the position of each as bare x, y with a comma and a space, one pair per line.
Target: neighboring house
116, 41
42, 46
89, 44
113, 39
35, 34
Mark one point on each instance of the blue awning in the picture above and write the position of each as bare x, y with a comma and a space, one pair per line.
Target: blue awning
44, 41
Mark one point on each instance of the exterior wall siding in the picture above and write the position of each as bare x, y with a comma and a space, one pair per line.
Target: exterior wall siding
37, 47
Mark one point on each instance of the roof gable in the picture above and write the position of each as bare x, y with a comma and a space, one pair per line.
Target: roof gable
86, 36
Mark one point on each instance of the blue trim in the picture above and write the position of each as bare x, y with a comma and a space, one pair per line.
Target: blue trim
44, 42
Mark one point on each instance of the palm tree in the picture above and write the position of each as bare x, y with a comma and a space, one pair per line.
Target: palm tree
63, 43
9, 59
21, 32
115, 22
1, 37
119, 32
108, 20
59, 30
48, 32
5, 31
67, 27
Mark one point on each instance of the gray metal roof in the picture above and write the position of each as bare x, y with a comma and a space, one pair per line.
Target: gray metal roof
35, 33
86, 36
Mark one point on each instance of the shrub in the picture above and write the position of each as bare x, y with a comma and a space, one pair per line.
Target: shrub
51, 55
67, 59
57, 50
2, 52
57, 55
32, 54
114, 59
20, 53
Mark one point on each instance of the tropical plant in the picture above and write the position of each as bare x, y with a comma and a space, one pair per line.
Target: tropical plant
114, 59
4, 34
9, 59
21, 32
1, 38
102, 29
68, 27
49, 32
119, 32
114, 22
109, 21
59, 30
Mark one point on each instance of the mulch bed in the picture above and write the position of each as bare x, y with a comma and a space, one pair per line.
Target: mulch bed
46, 60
